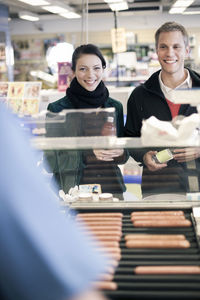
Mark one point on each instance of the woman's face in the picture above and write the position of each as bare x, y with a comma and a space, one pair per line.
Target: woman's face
89, 71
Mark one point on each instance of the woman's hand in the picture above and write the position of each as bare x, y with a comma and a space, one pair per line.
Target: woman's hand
108, 155
151, 163
186, 154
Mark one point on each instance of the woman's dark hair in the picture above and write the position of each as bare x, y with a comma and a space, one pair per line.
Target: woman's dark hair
87, 49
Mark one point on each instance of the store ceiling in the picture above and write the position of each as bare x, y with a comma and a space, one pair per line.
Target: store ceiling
142, 7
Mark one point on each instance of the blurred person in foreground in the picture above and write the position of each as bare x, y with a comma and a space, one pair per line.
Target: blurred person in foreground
154, 98
40, 255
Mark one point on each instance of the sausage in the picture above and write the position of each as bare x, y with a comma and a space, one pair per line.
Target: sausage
100, 222
109, 250
112, 219
105, 285
162, 223
157, 217
103, 238
157, 212
107, 244
109, 255
158, 244
113, 263
106, 277
167, 270
116, 215
104, 228
154, 236
107, 233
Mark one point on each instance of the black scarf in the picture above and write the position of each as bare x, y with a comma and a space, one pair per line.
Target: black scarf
81, 98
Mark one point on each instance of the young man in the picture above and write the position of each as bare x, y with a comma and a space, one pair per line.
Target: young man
153, 98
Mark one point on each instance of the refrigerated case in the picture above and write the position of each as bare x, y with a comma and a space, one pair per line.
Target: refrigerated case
53, 135
6, 49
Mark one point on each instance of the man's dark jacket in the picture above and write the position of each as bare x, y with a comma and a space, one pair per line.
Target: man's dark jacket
148, 100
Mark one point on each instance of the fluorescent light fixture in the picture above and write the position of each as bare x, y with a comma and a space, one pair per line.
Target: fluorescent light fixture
119, 6
179, 6
55, 9
182, 3
35, 2
195, 12
177, 10
29, 16
71, 15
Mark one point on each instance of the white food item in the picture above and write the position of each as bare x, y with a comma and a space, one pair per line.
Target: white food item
106, 197
85, 197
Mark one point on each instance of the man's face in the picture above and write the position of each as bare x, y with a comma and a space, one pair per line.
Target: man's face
171, 51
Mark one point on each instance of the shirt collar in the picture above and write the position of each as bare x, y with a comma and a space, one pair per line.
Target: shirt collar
186, 84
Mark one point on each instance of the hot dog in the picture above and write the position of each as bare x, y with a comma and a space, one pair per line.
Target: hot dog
106, 277
116, 215
107, 233
101, 222
105, 285
157, 212
114, 255
115, 238
103, 228
111, 219
162, 223
107, 244
109, 249
167, 270
157, 217
154, 236
157, 243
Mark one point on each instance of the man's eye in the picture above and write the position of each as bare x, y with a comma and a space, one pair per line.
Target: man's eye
82, 69
97, 68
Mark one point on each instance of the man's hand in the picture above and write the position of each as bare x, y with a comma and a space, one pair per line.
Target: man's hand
108, 155
150, 162
186, 154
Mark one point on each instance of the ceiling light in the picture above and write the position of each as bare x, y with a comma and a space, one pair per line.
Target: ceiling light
119, 6
35, 2
182, 3
194, 12
179, 6
71, 15
56, 9
29, 16
177, 10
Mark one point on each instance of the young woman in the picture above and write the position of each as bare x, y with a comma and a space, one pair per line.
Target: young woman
87, 90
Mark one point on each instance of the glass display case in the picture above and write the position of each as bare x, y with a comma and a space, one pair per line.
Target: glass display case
83, 144
148, 222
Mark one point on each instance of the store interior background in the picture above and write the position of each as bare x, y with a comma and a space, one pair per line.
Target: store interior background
30, 41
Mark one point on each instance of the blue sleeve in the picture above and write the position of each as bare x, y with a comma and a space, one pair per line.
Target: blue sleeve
43, 255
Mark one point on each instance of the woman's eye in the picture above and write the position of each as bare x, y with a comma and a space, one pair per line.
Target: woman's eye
82, 69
